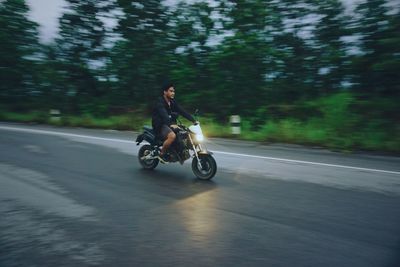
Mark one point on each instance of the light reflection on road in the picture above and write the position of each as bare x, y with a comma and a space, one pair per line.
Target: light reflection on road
198, 215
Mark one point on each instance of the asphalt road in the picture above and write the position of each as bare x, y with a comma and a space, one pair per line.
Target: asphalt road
78, 197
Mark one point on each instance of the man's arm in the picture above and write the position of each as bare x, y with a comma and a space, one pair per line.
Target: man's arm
184, 113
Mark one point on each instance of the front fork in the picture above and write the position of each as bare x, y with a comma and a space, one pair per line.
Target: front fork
195, 152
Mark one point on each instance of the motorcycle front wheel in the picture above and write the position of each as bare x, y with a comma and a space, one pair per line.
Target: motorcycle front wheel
206, 168
149, 164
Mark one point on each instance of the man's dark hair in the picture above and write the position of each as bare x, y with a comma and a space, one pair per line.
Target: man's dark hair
166, 86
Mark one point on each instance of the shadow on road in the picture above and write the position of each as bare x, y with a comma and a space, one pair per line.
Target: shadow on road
175, 183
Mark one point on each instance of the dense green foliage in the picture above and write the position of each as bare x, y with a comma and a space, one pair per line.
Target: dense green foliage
297, 71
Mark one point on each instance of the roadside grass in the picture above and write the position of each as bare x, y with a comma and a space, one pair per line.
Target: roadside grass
34, 116
315, 131
118, 122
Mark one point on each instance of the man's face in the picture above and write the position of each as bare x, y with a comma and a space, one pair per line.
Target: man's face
170, 93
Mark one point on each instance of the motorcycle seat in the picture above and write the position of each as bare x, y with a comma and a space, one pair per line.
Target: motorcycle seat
156, 137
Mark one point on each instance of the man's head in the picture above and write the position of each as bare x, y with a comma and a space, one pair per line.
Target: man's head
169, 91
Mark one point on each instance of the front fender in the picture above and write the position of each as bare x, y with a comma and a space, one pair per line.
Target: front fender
205, 152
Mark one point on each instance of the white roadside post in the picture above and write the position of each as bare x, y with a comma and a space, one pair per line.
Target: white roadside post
235, 124
55, 115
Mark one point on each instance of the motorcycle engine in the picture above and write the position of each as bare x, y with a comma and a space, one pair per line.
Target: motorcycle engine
185, 154
172, 156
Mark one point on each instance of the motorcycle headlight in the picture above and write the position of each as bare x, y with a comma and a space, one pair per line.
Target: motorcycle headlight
199, 138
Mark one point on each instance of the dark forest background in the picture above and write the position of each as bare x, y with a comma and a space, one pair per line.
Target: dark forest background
295, 71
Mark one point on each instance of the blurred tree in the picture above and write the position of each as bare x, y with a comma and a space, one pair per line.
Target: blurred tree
18, 55
295, 72
292, 76
239, 64
331, 60
80, 51
140, 60
52, 79
191, 28
377, 67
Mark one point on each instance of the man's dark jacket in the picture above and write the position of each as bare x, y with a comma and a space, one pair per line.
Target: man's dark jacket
162, 114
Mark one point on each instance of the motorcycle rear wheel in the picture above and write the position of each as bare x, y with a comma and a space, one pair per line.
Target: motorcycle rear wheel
147, 164
208, 167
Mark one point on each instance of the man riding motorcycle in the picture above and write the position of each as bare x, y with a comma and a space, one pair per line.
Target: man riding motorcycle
164, 118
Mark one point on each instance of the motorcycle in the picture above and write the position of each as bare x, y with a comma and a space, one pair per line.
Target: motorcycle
188, 144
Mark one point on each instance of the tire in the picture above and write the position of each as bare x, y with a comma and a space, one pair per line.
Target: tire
209, 167
147, 164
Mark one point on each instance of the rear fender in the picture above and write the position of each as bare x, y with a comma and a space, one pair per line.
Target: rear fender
146, 136
139, 139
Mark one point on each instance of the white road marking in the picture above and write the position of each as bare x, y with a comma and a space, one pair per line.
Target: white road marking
63, 134
217, 152
307, 162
